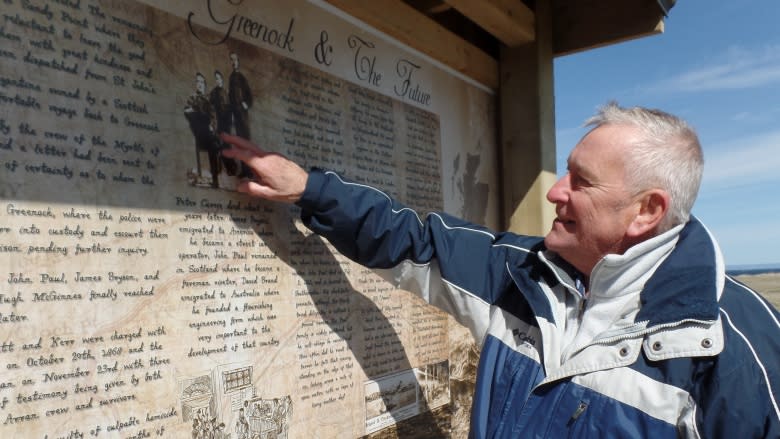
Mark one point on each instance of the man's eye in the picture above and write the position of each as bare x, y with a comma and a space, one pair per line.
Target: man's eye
578, 181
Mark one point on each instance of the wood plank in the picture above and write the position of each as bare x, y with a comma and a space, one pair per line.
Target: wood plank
510, 21
527, 114
404, 23
430, 6
587, 24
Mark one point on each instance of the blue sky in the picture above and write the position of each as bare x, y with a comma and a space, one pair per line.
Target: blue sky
717, 65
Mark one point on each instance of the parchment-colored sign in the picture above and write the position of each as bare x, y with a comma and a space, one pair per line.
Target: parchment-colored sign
142, 296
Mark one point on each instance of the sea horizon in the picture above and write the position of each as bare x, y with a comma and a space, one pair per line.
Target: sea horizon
738, 269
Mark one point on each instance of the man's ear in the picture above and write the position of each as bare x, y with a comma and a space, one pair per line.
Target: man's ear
653, 206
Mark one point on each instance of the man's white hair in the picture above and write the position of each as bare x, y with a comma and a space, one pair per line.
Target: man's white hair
667, 156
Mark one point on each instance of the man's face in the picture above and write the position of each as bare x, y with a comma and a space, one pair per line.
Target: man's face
593, 206
200, 84
218, 80
234, 61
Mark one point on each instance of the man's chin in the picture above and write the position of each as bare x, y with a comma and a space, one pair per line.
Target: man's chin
550, 242
555, 242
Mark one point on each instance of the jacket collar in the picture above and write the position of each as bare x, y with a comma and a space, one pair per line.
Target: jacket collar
617, 275
687, 285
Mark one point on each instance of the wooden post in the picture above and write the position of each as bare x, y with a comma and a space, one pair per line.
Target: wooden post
527, 106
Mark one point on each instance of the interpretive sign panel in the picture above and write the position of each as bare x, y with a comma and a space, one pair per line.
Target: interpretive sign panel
143, 296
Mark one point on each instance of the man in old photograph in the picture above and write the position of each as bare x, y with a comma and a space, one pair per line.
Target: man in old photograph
200, 115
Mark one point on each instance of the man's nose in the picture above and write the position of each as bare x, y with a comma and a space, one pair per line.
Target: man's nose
558, 193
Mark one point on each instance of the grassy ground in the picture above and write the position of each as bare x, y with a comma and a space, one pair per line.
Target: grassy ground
766, 284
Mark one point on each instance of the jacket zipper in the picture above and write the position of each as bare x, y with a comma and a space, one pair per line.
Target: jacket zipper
657, 328
641, 332
580, 409
627, 336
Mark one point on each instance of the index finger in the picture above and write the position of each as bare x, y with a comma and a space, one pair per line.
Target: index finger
241, 143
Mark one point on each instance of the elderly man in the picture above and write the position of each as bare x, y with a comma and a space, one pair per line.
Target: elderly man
619, 323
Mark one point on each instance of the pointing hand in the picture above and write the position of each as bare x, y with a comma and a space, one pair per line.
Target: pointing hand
276, 177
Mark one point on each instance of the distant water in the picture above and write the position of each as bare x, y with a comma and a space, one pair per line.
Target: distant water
736, 270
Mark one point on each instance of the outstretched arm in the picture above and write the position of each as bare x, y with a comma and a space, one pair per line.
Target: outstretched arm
374, 230
276, 177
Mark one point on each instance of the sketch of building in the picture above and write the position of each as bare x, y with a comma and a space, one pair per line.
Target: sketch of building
434, 380
390, 399
196, 398
223, 404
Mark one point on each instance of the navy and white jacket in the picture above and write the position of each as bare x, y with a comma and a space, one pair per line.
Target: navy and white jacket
665, 344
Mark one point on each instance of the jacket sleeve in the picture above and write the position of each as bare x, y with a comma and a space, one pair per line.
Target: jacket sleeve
449, 263
739, 406
741, 398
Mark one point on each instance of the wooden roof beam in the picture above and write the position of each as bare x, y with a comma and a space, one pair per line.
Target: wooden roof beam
587, 24
404, 23
510, 21
430, 6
